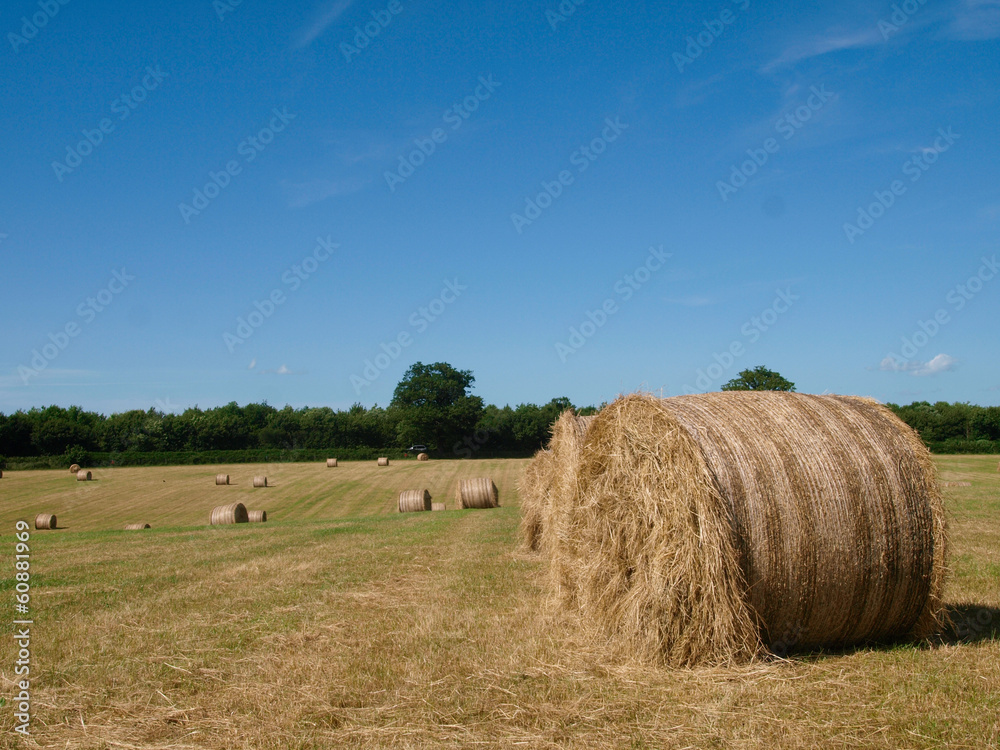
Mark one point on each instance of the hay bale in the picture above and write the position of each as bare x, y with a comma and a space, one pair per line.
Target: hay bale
551, 475
477, 493
229, 514
1, 473
83, 476
74, 468
438, 506
136, 526
411, 501
707, 528
221, 479
256, 516
423, 457
45, 521
383, 461
331, 463
260, 481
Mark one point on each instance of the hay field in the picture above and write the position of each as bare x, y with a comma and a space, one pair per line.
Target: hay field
342, 623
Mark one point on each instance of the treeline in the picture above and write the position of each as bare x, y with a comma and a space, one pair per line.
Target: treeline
953, 428
259, 432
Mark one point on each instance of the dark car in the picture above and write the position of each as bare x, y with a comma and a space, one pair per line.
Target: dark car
417, 449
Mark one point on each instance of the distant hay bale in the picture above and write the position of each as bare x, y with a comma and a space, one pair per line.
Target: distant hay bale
477, 493
221, 479
74, 468
256, 516
331, 463
383, 461
956, 484
260, 481
438, 506
45, 521
709, 528
83, 476
1, 473
423, 457
136, 526
411, 501
229, 514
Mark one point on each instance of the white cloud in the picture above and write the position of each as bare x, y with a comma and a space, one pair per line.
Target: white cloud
253, 363
323, 19
940, 363
821, 45
283, 370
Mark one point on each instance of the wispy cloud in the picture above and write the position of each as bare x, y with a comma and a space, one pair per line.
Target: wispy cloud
324, 17
302, 194
283, 370
832, 41
975, 20
940, 363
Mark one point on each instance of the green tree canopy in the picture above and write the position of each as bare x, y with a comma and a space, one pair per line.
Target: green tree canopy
759, 379
434, 405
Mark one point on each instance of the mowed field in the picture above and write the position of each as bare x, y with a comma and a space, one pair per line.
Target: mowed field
341, 623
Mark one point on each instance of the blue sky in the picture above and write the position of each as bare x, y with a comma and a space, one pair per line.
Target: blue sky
205, 202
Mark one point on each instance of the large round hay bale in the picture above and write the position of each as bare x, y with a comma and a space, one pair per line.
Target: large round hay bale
221, 479
227, 514
706, 528
331, 463
84, 476
257, 516
74, 468
45, 521
477, 493
383, 461
411, 501
423, 457
260, 481
136, 526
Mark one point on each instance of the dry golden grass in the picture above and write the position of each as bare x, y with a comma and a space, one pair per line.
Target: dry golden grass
342, 623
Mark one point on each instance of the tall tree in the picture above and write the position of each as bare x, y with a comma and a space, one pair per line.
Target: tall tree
434, 406
759, 379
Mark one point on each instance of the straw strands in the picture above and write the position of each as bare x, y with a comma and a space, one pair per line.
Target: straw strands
411, 501
708, 528
477, 493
